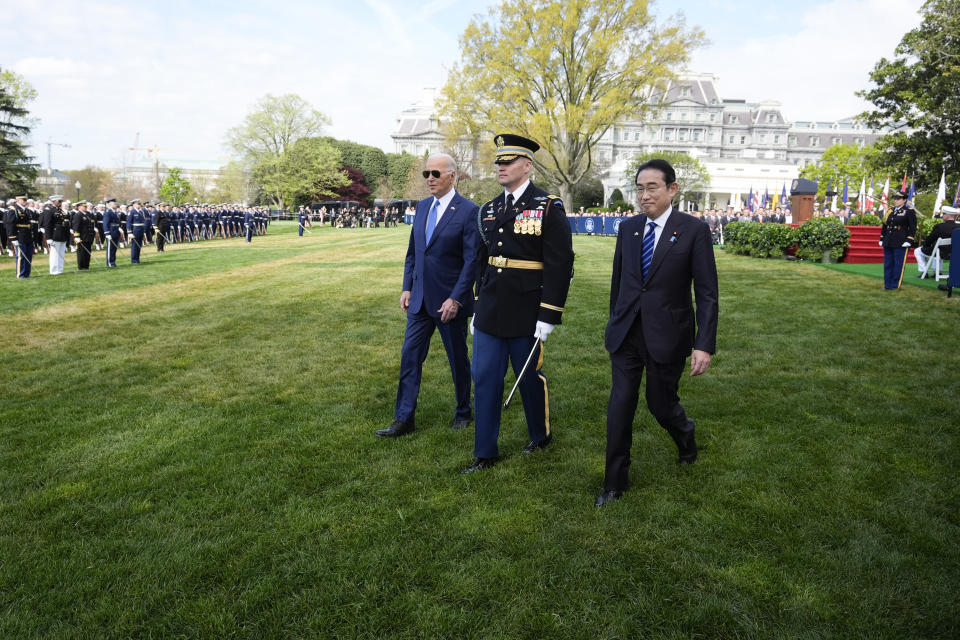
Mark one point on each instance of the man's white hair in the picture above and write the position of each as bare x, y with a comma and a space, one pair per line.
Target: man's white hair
451, 163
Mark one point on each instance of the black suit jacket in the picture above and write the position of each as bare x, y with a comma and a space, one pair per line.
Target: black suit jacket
671, 327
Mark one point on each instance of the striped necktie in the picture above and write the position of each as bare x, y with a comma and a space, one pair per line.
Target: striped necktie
432, 219
646, 253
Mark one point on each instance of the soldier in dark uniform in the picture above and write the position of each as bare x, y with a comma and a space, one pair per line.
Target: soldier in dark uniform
98, 239
248, 224
135, 224
111, 231
4, 245
945, 230
148, 210
84, 225
896, 236
20, 234
161, 220
526, 265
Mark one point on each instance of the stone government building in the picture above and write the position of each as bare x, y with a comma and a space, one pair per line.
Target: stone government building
743, 145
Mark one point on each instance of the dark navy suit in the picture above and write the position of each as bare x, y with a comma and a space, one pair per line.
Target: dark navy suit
653, 326
445, 267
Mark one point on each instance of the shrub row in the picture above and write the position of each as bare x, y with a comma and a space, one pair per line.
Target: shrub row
768, 240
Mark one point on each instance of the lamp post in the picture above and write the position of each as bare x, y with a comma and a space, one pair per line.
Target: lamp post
77, 185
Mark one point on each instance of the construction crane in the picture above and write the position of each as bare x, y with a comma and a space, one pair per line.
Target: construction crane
50, 153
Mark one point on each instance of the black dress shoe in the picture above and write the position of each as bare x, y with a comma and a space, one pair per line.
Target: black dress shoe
460, 424
607, 497
396, 430
536, 446
479, 464
686, 444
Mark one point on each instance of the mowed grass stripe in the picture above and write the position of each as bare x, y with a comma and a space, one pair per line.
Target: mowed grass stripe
193, 456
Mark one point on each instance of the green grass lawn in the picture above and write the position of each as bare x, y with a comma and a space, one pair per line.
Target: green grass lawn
187, 450
910, 273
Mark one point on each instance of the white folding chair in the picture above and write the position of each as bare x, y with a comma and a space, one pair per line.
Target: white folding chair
935, 261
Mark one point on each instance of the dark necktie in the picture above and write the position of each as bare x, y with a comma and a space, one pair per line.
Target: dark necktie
510, 202
646, 252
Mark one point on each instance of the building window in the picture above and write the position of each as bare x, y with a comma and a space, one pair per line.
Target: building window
835, 140
713, 137
814, 141
685, 92
763, 138
682, 135
734, 119
636, 136
699, 117
776, 139
858, 141
731, 139
669, 115
771, 117
743, 139
813, 125
713, 117
696, 135
683, 115
667, 134
793, 140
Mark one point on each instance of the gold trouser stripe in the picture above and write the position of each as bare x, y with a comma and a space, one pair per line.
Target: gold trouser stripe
546, 394
551, 307
511, 263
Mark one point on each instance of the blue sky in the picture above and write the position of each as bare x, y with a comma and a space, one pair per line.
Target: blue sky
182, 73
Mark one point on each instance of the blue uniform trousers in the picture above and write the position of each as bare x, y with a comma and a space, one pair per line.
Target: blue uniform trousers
893, 258
113, 241
24, 258
300, 229
489, 367
249, 233
136, 242
416, 345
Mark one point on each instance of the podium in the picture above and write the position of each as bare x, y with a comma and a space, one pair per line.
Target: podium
802, 194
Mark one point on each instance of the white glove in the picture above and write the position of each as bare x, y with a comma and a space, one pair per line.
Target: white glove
543, 330
905, 244
49, 243
880, 244
471, 325
16, 244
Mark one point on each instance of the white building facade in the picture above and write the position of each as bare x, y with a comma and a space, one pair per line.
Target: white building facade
744, 146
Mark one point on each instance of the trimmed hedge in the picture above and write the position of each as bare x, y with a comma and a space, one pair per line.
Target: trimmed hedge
759, 239
817, 235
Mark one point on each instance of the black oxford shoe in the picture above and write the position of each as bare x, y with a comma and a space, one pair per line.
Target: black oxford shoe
607, 497
460, 424
537, 446
396, 430
479, 464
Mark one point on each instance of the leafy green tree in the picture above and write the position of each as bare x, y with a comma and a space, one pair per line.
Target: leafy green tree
234, 184
310, 170
692, 176
21, 92
398, 168
267, 133
915, 94
561, 72
175, 189
587, 193
17, 173
845, 162
94, 182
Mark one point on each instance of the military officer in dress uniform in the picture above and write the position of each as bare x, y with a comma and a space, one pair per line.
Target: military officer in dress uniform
161, 220
135, 230
896, 236
111, 231
56, 226
526, 265
20, 234
84, 225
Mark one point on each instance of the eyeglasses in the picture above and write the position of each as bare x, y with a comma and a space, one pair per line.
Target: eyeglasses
434, 173
652, 188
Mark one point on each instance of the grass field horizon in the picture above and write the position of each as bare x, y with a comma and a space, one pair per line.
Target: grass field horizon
188, 451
